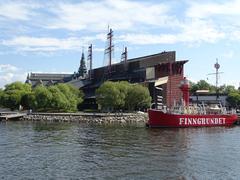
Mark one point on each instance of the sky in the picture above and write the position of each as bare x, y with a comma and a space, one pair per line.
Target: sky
49, 36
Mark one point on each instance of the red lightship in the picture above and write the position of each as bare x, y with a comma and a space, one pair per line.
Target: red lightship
191, 115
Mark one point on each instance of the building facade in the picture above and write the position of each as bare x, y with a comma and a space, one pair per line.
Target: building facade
157, 70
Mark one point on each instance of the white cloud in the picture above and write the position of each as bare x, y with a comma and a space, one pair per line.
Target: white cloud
143, 39
17, 10
141, 22
200, 31
204, 10
196, 31
10, 73
224, 17
7, 68
48, 44
235, 35
228, 54
120, 14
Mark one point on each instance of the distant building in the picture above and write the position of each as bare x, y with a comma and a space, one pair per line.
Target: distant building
48, 79
209, 98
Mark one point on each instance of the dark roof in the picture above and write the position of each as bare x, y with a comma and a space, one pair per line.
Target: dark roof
150, 56
142, 58
48, 76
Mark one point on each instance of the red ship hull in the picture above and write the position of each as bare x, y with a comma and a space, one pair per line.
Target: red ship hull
160, 119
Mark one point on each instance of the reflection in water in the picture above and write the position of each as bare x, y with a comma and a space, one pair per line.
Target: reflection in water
80, 151
46, 126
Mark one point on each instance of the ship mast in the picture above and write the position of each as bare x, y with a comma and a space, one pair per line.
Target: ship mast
90, 61
124, 55
109, 49
124, 58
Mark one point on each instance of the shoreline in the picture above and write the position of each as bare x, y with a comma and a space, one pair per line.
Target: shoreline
98, 118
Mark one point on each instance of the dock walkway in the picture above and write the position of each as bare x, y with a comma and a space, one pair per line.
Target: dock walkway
11, 115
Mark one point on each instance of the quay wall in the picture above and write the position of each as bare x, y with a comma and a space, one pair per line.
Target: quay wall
99, 118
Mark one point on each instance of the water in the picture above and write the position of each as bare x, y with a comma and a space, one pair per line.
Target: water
81, 151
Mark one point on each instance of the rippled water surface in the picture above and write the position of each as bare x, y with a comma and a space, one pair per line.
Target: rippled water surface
82, 151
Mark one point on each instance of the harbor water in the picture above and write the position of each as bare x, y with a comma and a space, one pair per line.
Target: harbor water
37, 150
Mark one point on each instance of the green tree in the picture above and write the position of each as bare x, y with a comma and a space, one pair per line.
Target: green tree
13, 94
138, 97
57, 98
123, 88
227, 89
59, 101
1, 95
122, 95
234, 99
43, 98
28, 101
73, 95
201, 85
108, 96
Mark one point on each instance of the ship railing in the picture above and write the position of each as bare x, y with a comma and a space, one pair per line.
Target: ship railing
200, 109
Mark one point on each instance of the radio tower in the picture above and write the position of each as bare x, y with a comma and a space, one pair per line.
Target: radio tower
109, 49
216, 66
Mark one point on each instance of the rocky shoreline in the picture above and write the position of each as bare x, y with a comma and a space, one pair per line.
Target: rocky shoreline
99, 118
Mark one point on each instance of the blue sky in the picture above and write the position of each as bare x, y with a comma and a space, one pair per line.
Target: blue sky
48, 36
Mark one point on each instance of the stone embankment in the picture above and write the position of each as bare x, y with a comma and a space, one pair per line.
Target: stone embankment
100, 118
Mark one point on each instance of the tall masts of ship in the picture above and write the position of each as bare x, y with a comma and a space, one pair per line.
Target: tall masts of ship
124, 58
109, 49
89, 59
124, 55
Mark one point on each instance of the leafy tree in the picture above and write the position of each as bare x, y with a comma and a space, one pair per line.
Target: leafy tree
122, 95
227, 89
13, 94
123, 87
59, 101
43, 98
57, 98
1, 95
73, 95
234, 99
201, 85
138, 97
108, 96
18, 86
28, 101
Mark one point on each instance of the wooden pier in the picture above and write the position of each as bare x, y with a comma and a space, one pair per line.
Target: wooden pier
11, 115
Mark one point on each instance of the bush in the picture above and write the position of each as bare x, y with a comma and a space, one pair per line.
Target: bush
13, 93
108, 96
122, 95
138, 97
234, 99
57, 98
